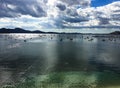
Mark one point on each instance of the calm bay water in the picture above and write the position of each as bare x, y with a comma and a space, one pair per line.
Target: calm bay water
59, 61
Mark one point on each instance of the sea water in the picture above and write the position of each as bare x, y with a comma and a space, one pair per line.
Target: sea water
59, 61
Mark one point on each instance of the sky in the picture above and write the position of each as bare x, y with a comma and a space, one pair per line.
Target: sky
61, 15
97, 3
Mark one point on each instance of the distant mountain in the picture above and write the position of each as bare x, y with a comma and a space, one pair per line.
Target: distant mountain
18, 30
115, 33
37, 31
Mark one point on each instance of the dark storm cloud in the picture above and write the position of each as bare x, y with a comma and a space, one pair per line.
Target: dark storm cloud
62, 7
103, 21
12, 8
75, 20
115, 17
77, 2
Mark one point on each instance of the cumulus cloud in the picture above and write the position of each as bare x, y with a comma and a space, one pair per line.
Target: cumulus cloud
36, 8
10, 8
108, 15
39, 14
67, 13
28, 22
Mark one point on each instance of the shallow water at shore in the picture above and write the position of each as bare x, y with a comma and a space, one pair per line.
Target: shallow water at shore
59, 61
